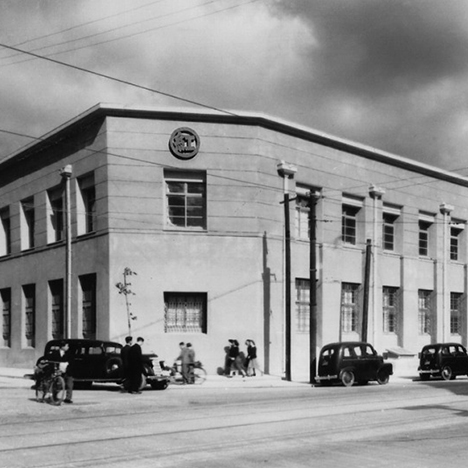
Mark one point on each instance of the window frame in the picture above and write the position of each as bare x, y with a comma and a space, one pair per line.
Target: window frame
350, 312
302, 305
425, 311
456, 313
182, 322
187, 200
5, 298
29, 314
390, 309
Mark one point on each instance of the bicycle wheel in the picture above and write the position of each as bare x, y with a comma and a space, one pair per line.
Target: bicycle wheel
57, 390
41, 390
199, 375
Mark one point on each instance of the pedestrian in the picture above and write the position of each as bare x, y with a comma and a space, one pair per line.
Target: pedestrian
252, 362
234, 359
64, 357
135, 366
190, 363
125, 357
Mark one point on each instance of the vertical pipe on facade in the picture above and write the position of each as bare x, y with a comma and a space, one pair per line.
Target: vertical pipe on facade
66, 175
445, 210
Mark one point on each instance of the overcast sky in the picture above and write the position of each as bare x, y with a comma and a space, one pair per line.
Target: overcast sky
388, 73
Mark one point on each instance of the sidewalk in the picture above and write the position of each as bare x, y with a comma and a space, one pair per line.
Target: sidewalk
221, 381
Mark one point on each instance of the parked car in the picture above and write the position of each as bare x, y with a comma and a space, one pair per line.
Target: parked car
446, 360
352, 362
100, 361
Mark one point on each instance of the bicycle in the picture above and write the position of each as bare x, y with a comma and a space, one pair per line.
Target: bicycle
50, 385
175, 376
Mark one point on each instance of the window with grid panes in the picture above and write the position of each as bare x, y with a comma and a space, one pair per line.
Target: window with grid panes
455, 313
390, 309
349, 307
88, 204
302, 305
424, 238
56, 306
185, 312
302, 217
29, 297
388, 234
424, 312
455, 243
349, 224
5, 296
88, 305
185, 199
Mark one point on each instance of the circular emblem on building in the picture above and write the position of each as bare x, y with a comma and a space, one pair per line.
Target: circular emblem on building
184, 143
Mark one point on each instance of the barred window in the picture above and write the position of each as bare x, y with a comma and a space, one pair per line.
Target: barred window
5, 297
186, 199
88, 304
349, 307
302, 305
391, 309
424, 312
56, 308
455, 313
29, 297
185, 312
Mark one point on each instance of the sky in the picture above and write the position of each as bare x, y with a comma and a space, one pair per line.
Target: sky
392, 74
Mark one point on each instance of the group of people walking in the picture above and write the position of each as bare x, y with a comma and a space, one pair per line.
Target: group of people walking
132, 362
245, 365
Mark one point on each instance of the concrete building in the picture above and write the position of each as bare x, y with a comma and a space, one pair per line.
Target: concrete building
186, 207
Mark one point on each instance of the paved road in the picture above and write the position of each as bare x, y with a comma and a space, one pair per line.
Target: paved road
411, 424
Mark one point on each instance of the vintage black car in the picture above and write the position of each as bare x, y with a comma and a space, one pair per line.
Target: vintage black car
352, 362
100, 361
446, 360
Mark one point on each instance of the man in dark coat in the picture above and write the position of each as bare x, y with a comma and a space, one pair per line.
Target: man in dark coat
64, 356
135, 366
125, 358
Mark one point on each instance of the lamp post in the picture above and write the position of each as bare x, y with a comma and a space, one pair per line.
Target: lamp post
66, 173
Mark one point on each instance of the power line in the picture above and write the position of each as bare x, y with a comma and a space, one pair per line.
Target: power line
118, 80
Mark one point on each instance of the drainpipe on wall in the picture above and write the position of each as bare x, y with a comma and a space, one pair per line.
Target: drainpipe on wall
66, 173
445, 209
287, 171
376, 194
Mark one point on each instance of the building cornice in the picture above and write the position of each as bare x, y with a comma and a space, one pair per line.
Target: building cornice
101, 111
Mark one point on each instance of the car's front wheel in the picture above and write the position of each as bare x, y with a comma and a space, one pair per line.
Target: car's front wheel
447, 373
347, 378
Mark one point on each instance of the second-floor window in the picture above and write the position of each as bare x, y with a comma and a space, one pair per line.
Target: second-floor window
455, 244
349, 224
5, 232
86, 212
55, 215
27, 224
185, 199
424, 227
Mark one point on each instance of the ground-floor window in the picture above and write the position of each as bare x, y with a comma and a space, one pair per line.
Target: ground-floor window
29, 304
5, 298
88, 305
455, 313
391, 309
425, 312
350, 310
302, 305
185, 312
56, 308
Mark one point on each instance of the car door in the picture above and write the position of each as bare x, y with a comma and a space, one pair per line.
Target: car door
459, 359
368, 362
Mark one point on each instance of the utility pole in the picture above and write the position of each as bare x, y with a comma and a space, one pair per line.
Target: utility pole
287, 171
313, 197
365, 305
66, 173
